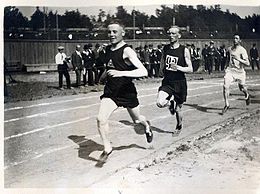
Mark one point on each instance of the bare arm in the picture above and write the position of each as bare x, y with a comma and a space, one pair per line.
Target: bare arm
130, 58
188, 62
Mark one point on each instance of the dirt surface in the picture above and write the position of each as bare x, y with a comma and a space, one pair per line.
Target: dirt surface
225, 160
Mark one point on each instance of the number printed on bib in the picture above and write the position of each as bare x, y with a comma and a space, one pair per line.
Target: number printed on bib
170, 61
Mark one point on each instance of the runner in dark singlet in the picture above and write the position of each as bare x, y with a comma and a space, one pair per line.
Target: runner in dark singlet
122, 66
176, 61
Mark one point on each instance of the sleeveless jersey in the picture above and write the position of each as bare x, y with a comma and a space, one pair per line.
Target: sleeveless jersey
114, 60
175, 56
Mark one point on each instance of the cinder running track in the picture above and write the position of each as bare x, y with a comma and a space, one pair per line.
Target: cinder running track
54, 142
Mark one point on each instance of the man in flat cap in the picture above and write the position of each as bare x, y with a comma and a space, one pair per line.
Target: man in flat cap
61, 61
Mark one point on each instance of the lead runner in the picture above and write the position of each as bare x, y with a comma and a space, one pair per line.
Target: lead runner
122, 66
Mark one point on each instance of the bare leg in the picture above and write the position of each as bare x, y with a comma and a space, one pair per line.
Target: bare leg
243, 89
179, 115
162, 101
138, 118
228, 79
226, 95
246, 93
107, 107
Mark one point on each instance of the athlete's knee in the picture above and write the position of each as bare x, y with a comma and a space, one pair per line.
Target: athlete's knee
101, 120
161, 103
225, 87
178, 107
241, 87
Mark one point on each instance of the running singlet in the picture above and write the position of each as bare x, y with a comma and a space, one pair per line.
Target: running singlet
240, 53
174, 56
116, 86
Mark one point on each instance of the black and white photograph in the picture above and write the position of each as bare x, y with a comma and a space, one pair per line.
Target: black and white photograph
130, 97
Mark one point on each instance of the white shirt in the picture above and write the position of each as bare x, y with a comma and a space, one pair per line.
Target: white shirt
59, 58
239, 52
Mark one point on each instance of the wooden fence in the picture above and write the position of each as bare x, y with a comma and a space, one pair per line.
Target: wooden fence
43, 51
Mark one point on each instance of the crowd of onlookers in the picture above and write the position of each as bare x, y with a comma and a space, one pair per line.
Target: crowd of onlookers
89, 62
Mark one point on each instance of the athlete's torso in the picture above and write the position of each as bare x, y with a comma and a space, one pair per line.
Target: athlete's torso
115, 60
174, 56
238, 52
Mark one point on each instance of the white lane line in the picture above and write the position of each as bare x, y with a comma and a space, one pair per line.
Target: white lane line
40, 129
50, 112
82, 107
85, 118
50, 103
97, 136
74, 99
61, 102
47, 127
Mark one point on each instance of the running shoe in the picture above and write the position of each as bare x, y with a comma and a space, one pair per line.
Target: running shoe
225, 109
177, 129
171, 107
248, 100
149, 136
104, 156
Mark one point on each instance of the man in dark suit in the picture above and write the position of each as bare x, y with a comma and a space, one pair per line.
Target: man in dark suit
76, 61
89, 63
254, 57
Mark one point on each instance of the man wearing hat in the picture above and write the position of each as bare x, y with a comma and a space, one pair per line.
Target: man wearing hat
61, 61
211, 52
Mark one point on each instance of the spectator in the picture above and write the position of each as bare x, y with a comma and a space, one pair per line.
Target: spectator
197, 60
205, 57
217, 59
100, 61
89, 62
147, 62
223, 56
76, 61
211, 53
254, 57
153, 60
159, 57
61, 61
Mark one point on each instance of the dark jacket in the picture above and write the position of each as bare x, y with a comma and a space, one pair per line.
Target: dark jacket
76, 61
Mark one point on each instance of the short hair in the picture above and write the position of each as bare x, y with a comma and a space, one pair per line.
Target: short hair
179, 30
254, 44
116, 21
237, 35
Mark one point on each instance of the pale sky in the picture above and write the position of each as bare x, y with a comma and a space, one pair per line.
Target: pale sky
85, 3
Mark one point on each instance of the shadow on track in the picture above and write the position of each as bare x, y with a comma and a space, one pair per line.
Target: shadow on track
203, 108
87, 146
139, 128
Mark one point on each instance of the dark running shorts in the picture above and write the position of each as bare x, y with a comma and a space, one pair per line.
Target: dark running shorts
124, 96
177, 88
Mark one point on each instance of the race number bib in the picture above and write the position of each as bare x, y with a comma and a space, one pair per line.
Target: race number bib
170, 61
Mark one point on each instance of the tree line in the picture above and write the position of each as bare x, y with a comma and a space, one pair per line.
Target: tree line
201, 20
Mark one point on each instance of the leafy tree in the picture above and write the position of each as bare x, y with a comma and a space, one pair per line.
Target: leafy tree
141, 19
165, 16
13, 18
37, 18
125, 17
